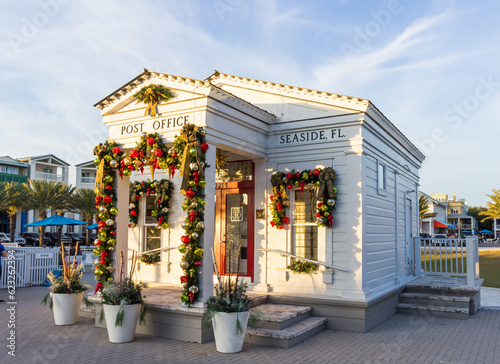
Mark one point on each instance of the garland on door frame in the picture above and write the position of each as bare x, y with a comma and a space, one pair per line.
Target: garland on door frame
161, 189
321, 179
188, 154
192, 141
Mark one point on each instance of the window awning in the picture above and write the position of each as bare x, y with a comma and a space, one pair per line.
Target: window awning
445, 225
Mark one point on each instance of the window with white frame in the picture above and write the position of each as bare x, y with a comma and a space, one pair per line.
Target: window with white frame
454, 211
152, 233
304, 228
381, 178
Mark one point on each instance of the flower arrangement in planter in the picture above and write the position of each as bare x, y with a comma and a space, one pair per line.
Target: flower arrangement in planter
150, 258
123, 305
228, 311
302, 267
67, 291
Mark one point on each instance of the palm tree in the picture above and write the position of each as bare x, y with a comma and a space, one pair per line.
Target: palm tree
423, 208
13, 203
42, 196
492, 208
83, 202
63, 205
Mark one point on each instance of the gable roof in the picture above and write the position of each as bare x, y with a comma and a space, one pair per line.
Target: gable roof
12, 162
219, 94
333, 99
38, 157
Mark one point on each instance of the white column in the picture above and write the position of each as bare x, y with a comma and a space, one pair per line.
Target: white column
471, 246
122, 193
207, 240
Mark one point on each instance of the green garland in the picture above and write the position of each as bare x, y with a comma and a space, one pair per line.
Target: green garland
194, 205
150, 258
151, 151
152, 95
322, 181
161, 189
302, 267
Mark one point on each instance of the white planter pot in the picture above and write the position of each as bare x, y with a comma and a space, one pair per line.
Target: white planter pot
227, 339
66, 307
125, 332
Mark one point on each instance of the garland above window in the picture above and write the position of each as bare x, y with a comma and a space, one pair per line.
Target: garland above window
162, 190
320, 179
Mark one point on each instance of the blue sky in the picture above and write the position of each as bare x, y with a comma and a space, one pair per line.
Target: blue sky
430, 66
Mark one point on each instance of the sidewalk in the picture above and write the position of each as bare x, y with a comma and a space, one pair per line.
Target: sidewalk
402, 339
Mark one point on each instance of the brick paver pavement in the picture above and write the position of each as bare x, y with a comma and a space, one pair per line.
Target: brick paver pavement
402, 339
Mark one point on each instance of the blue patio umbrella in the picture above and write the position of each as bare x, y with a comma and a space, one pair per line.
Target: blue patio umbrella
466, 232
486, 232
57, 220
93, 226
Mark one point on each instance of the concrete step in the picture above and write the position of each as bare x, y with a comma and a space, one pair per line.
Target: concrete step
288, 337
279, 317
426, 310
435, 300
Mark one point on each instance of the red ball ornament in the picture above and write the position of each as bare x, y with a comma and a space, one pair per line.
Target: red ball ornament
316, 172
289, 175
150, 141
189, 193
134, 153
112, 233
204, 147
185, 239
116, 150
290, 187
107, 199
158, 152
197, 264
133, 213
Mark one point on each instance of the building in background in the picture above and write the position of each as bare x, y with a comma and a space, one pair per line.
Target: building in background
44, 167
11, 170
85, 178
437, 224
457, 215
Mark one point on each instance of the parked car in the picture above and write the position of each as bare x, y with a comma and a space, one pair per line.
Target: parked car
4, 238
33, 239
440, 240
53, 238
77, 237
19, 240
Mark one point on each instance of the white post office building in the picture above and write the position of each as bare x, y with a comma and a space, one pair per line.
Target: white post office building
259, 128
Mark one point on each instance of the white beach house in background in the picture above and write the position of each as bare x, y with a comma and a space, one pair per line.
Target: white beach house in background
45, 167
265, 127
437, 224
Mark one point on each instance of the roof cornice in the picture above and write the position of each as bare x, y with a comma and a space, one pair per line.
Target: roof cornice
140, 79
301, 91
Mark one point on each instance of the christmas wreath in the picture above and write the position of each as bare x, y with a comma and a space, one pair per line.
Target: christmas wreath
150, 258
302, 267
320, 179
188, 154
161, 189
152, 95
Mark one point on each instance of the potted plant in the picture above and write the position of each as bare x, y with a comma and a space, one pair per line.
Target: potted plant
303, 267
123, 305
66, 292
228, 311
150, 259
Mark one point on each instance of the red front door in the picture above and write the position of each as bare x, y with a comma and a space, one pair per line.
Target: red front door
234, 219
